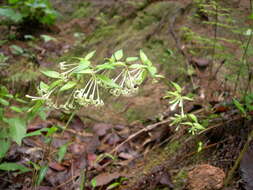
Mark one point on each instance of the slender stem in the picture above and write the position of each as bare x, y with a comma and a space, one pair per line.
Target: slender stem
237, 162
215, 37
83, 178
69, 120
243, 58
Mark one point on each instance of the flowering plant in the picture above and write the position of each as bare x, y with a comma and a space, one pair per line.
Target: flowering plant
82, 81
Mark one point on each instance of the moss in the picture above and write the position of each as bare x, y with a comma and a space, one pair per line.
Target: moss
172, 147
118, 105
179, 180
134, 115
153, 14
84, 11
100, 34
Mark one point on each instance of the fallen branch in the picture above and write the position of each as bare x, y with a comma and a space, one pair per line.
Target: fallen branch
148, 128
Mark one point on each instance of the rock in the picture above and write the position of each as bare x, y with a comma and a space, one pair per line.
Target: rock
205, 177
201, 62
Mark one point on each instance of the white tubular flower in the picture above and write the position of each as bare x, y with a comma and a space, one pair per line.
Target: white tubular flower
116, 91
44, 95
137, 75
128, 81
64, 66
89, 95
65, 74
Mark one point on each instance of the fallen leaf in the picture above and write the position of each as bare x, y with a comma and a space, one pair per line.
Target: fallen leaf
101, 128
112, 138
105, 178
126, 156
56, 166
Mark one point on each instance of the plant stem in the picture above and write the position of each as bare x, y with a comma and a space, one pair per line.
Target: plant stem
243, 58
237, 162
69, 120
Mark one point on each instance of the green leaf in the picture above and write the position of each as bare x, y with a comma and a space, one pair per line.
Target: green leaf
55, 83
239, 106
193, 117
17, 50
131, 59
119, 63
13, 1
93, 182
251, 16
16, 109
42, 174
83, 61
187, 98
51, 131
69, 85
143, 56
200, 146
62, 151
104, 79
118, 54
105, 66
32, 112
21, 101
145, 59
178, 88
113, 185
169, 52
51, 74
44, 86
4, 102
47, 38
83, 65
188, 123
137, 66
17, 129
152, 70
85, 71
198, 126
159, 76
37, 133
5, 145
8, 166
29, 37
11, 14
90, 55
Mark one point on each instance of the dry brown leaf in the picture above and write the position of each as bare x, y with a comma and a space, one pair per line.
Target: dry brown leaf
105, 178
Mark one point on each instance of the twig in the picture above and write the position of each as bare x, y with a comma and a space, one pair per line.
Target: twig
148, 128
68, 181
81, 134
219, 124
204, 148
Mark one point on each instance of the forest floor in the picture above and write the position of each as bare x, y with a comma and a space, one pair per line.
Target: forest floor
128, 143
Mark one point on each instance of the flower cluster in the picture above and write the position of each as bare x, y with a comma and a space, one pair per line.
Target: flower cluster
128, 81
70, 81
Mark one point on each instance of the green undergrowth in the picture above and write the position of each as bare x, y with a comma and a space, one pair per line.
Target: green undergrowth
84, 10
